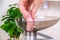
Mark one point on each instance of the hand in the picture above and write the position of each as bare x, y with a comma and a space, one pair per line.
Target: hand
25, 6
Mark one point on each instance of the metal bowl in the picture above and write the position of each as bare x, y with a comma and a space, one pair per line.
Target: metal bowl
40, 22
45, 22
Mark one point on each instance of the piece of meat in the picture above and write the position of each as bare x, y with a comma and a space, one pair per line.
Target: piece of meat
27, 16
30, 24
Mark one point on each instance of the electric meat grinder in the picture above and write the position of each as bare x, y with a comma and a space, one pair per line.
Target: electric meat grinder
40, 24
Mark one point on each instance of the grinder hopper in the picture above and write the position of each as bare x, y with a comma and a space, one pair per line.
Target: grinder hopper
40, 24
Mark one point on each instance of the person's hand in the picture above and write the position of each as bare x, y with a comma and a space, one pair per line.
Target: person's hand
36, 5
25, 6
28, 14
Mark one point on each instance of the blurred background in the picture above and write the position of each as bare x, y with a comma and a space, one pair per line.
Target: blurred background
49, 8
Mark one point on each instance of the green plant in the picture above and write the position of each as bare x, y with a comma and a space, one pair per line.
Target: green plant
9, 22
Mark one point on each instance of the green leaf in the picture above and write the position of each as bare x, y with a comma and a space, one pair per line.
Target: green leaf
18, 12
11, 31
4, 18
13, 4
14, 12
11, 10
5, 27
16, 33
20, 30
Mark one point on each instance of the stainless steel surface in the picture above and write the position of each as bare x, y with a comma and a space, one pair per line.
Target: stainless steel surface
46, 37
31, 36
